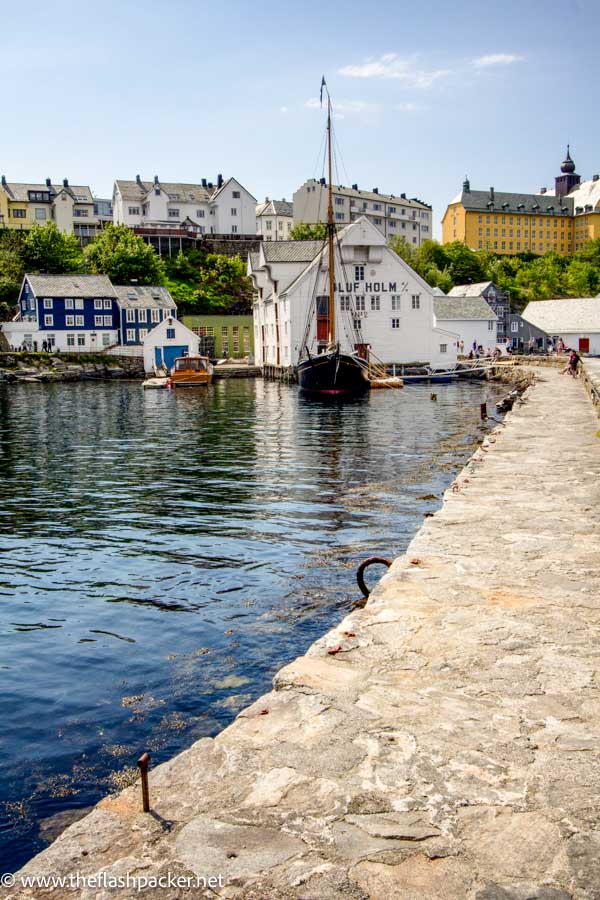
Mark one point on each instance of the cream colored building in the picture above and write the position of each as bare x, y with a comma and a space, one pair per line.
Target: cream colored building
394, 215
71, 207
274, 219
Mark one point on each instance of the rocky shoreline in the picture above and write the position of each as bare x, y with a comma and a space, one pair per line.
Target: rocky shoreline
44, 368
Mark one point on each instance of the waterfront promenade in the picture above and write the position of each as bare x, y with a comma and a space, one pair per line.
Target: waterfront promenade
441, 743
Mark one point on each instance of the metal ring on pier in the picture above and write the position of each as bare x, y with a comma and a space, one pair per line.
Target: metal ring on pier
372, 560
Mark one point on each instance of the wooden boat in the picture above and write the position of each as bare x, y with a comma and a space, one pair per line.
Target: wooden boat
329, 370
155, 381
191, 371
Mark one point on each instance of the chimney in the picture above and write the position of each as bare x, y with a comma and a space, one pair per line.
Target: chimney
375, 190
138, 179
595, 177
156, 179
210, 185
322, 181
204, 182
354, 187
492, 194
543, 190
3, 181
219, 180
65, 182
403, 196
48, 182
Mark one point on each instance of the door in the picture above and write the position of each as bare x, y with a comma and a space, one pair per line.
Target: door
171, 353
584, 345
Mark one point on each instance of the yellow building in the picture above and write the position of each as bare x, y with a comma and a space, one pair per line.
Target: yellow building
71, 207
563, 219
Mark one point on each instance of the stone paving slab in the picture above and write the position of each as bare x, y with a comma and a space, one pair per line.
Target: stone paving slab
441, 743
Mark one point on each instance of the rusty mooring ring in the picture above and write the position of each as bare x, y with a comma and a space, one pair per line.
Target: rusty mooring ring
372, 560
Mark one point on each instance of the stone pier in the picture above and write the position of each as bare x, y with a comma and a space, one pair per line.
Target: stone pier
441, 743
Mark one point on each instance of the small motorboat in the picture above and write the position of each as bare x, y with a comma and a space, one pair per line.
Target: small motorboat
156, 381
191, 371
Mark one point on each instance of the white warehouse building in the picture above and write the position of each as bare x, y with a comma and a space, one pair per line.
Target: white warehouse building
378, 297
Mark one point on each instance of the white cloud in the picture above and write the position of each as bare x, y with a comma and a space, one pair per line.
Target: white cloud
283, 109
496, 59
349, 107
313, 103
407, 107
390, 65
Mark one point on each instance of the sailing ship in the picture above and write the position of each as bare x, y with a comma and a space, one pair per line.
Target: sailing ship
330, 371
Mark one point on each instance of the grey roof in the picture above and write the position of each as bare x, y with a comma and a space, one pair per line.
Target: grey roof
574, 315
188, 193
275, 208
71, 285
254, 259
17, 190
469, 290
291, 251
131, 296
479, 200
372, 195
462, 308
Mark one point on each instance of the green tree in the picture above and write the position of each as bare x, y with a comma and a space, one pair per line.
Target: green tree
580, 279
223, 286
124, 256
541, 278
304, 232
47, 249
431, 253
404, 250
464, 266
590, 253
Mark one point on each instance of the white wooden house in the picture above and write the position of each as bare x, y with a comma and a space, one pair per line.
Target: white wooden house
166, 342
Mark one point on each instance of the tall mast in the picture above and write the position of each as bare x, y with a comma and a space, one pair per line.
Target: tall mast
330, 231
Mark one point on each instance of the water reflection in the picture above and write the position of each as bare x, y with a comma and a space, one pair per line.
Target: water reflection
164, 554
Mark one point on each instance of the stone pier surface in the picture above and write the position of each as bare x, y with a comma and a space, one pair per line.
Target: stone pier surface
441, 743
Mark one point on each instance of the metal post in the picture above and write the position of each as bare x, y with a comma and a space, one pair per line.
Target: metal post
143, 763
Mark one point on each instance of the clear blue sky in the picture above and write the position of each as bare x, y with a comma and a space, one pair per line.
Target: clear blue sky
425, 92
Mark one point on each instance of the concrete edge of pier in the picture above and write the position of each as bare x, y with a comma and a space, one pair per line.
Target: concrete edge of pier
439, 743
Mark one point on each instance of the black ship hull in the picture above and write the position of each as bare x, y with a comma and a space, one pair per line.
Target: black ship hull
333, 374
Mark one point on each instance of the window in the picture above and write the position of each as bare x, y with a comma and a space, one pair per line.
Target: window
443, 348
134, 210
514, 326
70, 338
359, 273
360, 303
173, 213
79, 321
97, 321
48, 304
377, 206
130, 315
70, 321
235, 195
416, 301
396, 302
378, 221
155, 315
233, 211
107, 321
105, 340
49, 319
375, 303
199, 213
143, 333
131, 334
79, 303
81, 339
490, 324
391, 210
170, 334
395, 323
98, 304
18, 213
339, 201
357, 324
68, 304
247, 337
268, 225
234, 229
344, 303
40, 214
80, 213
340, 217
142, 315
108, 304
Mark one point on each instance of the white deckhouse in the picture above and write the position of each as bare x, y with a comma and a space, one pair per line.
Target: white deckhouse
379, 298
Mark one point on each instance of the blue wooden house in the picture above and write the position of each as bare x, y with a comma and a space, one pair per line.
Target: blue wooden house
66, 312
142, 308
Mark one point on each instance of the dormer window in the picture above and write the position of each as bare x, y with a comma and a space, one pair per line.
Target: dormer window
157, 191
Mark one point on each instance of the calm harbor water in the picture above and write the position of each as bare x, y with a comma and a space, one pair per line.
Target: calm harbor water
162, 555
